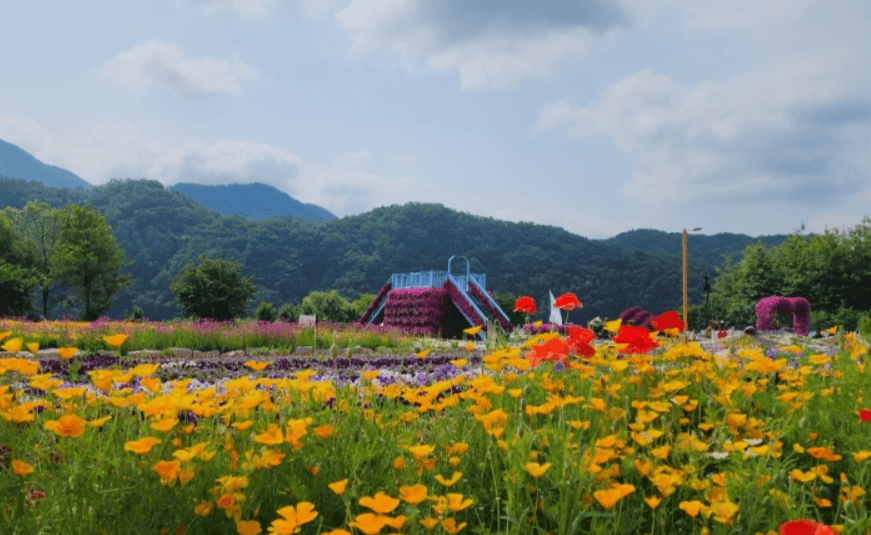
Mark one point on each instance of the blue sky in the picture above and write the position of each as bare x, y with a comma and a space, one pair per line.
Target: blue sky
748, 116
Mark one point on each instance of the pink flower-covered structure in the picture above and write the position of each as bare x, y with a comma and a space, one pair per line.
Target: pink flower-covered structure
435, 303
797, 307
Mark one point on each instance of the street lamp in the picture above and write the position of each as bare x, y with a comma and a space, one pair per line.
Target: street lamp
686, 317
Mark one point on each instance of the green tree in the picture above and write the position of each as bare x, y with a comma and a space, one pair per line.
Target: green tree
362, 303
87, 259
213, 288
37, 222
16, 284
328, 306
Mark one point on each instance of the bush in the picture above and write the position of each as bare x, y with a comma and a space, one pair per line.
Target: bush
288, 312
847, 319
213, 289
265, 312
328, 306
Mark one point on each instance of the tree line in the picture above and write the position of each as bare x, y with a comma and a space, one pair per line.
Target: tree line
162, 231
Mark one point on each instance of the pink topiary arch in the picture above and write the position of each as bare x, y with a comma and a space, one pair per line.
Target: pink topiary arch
798, 307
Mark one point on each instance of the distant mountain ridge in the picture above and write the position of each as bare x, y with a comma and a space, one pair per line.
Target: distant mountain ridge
252, 201
16, 162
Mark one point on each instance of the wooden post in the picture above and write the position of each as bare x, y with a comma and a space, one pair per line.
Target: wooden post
685, 285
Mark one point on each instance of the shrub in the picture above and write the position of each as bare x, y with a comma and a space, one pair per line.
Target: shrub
265, 312
288, 312
328, 306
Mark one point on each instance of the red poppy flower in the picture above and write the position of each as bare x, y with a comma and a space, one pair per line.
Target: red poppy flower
668, 320
638, 339
568, 301
553, 349
579, 340
525, 304
722, 334
865, 415
804, 527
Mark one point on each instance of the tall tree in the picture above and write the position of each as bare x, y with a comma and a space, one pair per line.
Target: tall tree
213, 288
16, 285
87, 258
37, 223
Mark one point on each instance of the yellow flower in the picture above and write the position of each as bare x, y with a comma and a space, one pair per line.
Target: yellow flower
472, 331
653, 501
67, 353
144, 370
381, 503
449, 482
369, 523
141, 446
470, 346
167, 470
248, 527
413, 494
294, 517
536, 470
429, 523
116, 340
21, 468
323, 431
165, 424
271, 437
68, 425
338, 487
98, 423
451, 527
456, 502
203, 509
13, 345
691, 508
458, 363
257, 366
608, 498
423, 353
33, 347
370, 374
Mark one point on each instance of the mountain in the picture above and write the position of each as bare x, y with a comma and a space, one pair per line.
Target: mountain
712, 249
18, 163
252, 201
161, 230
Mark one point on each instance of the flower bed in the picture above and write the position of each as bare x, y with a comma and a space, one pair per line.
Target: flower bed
423, 311
675, 441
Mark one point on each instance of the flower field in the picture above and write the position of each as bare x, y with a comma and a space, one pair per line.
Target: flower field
551, 434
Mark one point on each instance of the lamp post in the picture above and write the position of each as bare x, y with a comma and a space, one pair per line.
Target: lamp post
686, 317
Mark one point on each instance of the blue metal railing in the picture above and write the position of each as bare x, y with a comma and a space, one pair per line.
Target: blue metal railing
435, 279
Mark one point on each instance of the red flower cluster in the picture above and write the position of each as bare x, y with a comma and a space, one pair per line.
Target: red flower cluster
804, 527
568, 302
525, 304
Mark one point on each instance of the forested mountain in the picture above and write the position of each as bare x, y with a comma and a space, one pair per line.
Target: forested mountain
18, 163
252, 201
711, 249
161, 230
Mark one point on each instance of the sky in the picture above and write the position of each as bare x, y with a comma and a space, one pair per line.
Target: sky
597, 116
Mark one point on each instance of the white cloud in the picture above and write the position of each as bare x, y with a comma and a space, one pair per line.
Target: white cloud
345, 190
779, 132
225, 162
153, 63
504, 62
119, 150
491, 46
246, 8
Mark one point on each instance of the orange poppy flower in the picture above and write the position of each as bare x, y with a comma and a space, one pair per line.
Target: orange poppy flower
294, 517
568, 302
68, 425
381, 503
116, 340
67, 353
413, 494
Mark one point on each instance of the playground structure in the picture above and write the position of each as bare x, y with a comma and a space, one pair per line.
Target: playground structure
436, 303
